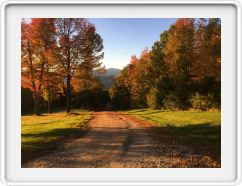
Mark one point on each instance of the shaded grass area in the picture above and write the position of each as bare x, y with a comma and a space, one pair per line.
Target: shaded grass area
198, 130
44, 134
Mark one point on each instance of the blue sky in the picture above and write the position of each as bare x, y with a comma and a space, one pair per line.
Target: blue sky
123, 37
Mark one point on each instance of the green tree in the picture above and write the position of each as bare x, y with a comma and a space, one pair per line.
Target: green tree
179, 56
160, 80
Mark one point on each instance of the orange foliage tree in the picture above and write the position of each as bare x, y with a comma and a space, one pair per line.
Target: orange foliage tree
37, 43
181, 71
55, 50
78, 45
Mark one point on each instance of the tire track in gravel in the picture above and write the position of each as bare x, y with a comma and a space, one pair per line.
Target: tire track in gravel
113, 141
117, 140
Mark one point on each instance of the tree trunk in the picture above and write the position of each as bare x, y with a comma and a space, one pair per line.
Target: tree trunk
35, 96
68, 84
68, 93
49, 106
40, 81
85, 85
49, 103
48, 88
68, 77
36, 104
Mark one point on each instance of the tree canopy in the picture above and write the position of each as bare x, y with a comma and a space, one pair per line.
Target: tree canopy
60, 57
54, 51
182, 70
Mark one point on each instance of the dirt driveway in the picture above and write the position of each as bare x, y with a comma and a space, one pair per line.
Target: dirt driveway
117, 140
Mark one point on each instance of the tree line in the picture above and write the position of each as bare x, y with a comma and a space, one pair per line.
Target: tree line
58, 57
181, 71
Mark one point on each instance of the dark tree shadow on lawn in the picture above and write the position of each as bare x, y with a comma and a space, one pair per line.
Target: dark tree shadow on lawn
201, 140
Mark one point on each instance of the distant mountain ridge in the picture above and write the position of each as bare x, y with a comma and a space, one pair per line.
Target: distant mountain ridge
108, 77
112, 72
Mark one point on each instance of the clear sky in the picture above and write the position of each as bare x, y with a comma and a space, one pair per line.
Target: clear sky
123, 37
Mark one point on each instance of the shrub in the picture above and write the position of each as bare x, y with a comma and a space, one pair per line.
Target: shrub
171, 102
203, 102
152, 99
120, 97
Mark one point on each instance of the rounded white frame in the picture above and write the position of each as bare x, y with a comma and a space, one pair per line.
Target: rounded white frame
237, 4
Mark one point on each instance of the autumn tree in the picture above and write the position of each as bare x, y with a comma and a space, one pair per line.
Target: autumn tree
182, 70
120, 91
179, 56
93, 53
207, 50
38, 43
29, 77
78, 43
134, 81
160, 81
206, 68
141, 79
42, 31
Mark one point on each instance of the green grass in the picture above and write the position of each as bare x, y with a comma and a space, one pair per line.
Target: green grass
199, 130
42, 134
178, 118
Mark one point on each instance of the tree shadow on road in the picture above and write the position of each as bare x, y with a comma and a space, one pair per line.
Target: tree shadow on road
187, 146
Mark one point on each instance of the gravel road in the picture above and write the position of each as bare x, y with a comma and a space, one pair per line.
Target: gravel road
117, 141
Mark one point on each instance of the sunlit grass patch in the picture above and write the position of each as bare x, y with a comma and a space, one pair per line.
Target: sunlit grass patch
199, 130
41, 134
178, 118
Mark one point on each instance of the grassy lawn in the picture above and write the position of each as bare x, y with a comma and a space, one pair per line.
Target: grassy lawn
42, 134
178, 118
200, 130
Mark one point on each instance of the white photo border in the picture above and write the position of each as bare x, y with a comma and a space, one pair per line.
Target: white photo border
235, 3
